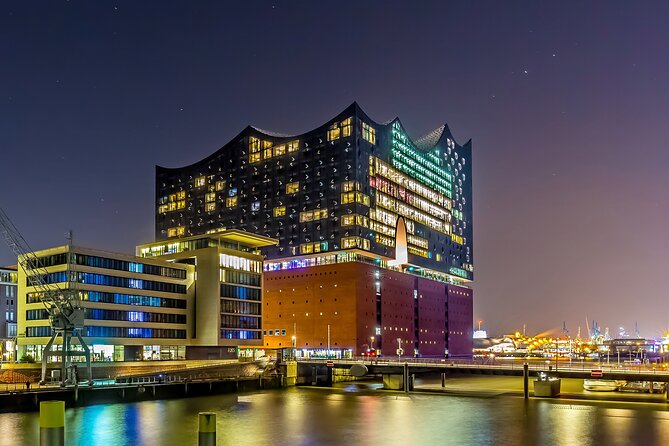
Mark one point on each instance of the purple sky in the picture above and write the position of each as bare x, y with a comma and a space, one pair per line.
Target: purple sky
567, 104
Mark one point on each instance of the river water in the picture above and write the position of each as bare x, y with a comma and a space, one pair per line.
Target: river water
356, 415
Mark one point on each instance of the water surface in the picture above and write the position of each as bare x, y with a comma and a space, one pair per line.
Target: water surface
354, 415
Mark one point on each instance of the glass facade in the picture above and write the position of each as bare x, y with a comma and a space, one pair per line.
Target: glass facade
114, 332
113, 264
140, 313
8, 312
342, 186
105, 280
121, 299
241, 281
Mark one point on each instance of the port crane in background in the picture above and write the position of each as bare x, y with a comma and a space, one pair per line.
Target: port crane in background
66, 316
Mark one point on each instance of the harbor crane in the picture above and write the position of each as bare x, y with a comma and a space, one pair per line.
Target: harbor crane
66, 316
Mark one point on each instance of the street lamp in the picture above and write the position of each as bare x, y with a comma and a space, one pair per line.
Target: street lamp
372, 346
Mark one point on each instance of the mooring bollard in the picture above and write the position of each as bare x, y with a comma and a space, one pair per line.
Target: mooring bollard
443, 380
52, 423
207, 430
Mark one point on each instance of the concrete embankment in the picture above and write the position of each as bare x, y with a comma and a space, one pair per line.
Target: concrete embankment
27, 401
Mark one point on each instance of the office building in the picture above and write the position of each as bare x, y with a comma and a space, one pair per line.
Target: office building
8, 293
228, 297
135, 309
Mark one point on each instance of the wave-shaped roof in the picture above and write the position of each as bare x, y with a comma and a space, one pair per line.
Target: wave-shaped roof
427, 142
424, 143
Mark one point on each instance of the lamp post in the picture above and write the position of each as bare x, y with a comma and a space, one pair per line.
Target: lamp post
372, 345
294, 340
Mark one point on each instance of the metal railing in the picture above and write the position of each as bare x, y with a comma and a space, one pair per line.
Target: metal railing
533, 365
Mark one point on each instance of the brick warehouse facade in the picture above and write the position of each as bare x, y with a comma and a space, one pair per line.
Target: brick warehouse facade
365, 307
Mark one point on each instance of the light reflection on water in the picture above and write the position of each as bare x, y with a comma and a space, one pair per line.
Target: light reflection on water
354, 416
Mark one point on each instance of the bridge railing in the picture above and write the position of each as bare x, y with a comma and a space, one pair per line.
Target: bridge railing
535, 365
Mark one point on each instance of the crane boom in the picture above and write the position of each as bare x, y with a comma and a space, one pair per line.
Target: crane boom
62, 305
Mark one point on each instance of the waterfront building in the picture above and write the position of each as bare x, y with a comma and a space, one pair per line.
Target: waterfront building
8, 299
134, 309
149, 307
354, 204
228, 301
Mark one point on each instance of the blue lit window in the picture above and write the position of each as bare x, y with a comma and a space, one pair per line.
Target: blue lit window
135, 283
136, 267
135, 316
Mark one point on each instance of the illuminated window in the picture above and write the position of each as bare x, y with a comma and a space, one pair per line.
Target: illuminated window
220, 185
254, 144
240, 263
348, 198
293, 188
211, 196
175, 232
368, 133
383, 240
362, 198
280, 150
280, 211
313, 215
267, 153
181, 204
361, 220
199, 181
267, 144
231, 201
354, 242
181, 195
172, 206
348, 220
293, 146
254, 157
334, 132
308, 248
350, 186
346, 127
210, 207
255, 206
163, 209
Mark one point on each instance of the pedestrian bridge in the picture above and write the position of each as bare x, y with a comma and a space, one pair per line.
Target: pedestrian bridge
405, 368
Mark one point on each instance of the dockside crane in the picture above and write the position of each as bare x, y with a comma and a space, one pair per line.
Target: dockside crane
66, 316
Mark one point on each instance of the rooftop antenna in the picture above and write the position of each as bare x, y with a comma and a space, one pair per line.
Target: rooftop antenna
636, 331
69, 237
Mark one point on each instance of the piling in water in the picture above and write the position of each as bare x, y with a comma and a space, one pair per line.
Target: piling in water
52, 423
207, 429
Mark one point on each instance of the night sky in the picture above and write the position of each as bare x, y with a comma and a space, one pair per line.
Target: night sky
567, 104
